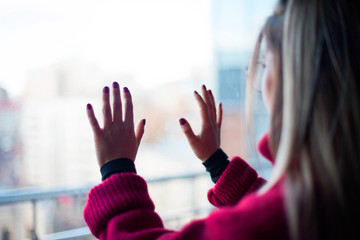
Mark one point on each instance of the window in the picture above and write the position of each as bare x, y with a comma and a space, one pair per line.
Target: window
57, 55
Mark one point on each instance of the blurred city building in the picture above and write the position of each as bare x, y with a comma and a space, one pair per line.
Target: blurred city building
236, 25
45, 140
11, 164
10, 142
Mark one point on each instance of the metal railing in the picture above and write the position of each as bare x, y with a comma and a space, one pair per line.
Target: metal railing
36, 194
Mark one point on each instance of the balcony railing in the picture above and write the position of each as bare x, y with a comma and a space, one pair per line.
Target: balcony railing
36, 195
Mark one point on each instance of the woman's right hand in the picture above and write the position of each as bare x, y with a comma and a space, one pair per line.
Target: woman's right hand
207, 141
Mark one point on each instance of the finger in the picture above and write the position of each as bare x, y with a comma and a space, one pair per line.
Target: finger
207, 101
220, 115
117, 106
129, 115
185, 126
203, 108
140, 131
106, 108
92, 119
212, 105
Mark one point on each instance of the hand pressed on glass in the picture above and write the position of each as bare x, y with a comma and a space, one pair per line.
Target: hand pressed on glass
117, 139
207, 141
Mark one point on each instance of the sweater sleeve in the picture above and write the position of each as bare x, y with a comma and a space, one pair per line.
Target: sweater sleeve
121, 208
238, 179
118, 165
216, 164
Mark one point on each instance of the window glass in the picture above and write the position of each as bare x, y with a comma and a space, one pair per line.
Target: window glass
56, 56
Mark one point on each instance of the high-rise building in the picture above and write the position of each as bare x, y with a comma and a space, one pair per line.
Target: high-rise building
11, 165
236, 25
10, 143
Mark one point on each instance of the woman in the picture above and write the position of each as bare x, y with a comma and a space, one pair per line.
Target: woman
311, 90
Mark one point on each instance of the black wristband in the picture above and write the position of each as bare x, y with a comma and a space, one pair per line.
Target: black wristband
118, 165
216, 164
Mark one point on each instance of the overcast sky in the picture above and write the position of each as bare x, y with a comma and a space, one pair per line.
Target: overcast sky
156, 41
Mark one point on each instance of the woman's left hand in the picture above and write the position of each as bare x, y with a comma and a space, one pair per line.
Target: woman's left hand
117, 139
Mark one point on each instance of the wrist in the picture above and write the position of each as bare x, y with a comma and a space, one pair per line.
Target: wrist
118, 165
205, 157
103, 160
216, 164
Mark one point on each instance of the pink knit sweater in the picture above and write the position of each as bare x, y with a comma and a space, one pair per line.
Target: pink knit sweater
121, 208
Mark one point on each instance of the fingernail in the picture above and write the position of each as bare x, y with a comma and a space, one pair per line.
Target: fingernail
210, 92
106, 89
126, 90
182, 121
144, 122
204, 87
196, 92
88, 106
115, 85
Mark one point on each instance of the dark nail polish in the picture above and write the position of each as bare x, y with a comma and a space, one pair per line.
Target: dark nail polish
115, 85
126, 90
106, 89
210, 92
204, 87
196, 92
144, 122
88, 106
182, 121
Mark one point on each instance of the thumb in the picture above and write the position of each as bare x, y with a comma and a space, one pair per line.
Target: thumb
185, 126
140, 131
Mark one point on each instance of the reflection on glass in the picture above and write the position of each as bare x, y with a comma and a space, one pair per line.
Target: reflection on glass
57, 55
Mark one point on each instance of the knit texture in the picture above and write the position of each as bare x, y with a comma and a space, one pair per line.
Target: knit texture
116, 195
121, 208
237, 180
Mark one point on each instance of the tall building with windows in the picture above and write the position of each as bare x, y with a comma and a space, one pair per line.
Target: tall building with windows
10, 142
11, 164
236, 25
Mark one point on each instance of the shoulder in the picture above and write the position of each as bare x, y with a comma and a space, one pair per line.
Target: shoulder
254, 217
264, 148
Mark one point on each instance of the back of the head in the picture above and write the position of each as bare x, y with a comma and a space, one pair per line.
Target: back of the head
319, 150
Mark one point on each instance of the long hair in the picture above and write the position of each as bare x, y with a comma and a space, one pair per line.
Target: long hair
319, 148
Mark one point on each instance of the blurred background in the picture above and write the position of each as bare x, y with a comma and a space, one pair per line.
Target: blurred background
56, 56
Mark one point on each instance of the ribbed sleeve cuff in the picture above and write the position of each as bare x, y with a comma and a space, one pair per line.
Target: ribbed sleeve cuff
233, 184
117, 166
216, 164
118, 194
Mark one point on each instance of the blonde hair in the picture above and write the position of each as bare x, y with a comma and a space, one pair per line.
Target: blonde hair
319, 149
